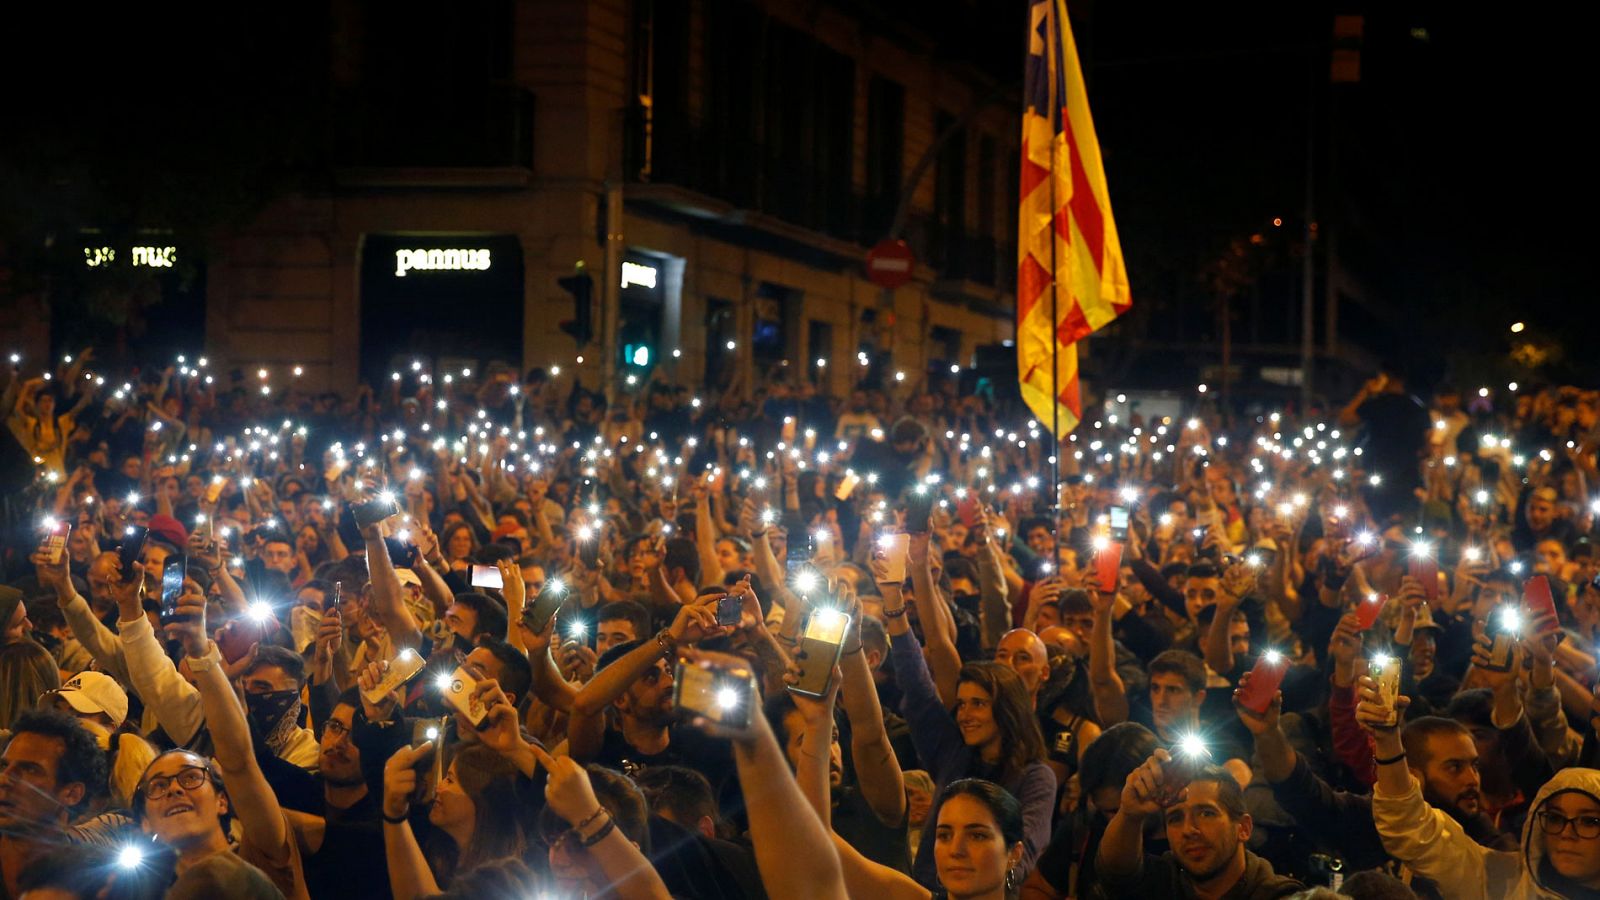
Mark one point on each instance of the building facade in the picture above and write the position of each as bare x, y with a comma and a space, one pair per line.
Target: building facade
719, 167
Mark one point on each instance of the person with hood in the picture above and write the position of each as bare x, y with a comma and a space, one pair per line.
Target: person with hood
1559, 854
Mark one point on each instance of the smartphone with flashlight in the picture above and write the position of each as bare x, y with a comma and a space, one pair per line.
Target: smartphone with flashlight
725, 695
896, 548
919, 509
425, 730
172, 587
55, 542
1266, 676
406, 664
1505, 629
374, 511
1107, 565
458, 688
488, 577
1425, 569
1369, 608
820, 645
1119, 523
1537, 598
1385, 670
214, 490
847, 486
131, 547
536, 616
1189, 756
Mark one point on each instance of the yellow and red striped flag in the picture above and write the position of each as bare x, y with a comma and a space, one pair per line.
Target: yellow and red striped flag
1071, 279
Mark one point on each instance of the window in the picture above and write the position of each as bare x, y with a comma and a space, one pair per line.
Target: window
950, 200
886, 125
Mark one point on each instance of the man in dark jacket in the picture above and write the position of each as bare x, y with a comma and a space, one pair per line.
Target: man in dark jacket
1207, 828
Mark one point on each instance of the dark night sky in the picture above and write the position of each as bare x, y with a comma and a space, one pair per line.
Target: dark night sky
1462, 183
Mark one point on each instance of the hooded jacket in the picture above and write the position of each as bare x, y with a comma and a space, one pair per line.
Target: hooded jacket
1434, 845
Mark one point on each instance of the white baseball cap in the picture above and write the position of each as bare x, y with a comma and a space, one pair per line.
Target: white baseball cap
96, 692
407, 576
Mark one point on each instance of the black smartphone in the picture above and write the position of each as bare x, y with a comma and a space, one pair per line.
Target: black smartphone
336, 601
537, 615
1119, 524
820, 645
172, 576
131, 547
919, 509
374, 511
729, 608
589, 552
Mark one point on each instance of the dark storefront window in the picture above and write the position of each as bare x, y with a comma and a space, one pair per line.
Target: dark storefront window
431, 296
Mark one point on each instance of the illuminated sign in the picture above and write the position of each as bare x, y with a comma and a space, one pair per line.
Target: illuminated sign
641, 275
150, 257
439, 260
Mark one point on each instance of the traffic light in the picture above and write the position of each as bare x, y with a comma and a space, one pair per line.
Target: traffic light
638, 347
581, 286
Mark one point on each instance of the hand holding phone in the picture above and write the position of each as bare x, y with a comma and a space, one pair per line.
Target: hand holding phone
406, 664
172, 575
1369, 608
820, 645
895, 548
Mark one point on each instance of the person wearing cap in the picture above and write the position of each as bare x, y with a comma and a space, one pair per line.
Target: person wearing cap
101, 706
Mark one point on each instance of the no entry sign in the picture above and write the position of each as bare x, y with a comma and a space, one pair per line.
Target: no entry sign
889, 264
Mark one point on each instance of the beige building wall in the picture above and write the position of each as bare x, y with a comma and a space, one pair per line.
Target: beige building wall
284, 291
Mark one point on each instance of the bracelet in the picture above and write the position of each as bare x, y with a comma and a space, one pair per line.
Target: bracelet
399, 820
894, 613
1391, 760
592, 816
667, 646
598, 836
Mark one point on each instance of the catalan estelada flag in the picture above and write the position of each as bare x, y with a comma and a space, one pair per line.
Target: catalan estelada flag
1071, 279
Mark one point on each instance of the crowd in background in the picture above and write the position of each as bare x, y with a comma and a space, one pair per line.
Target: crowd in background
490, 635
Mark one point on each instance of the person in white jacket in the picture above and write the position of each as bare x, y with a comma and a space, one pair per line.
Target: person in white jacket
1558, 857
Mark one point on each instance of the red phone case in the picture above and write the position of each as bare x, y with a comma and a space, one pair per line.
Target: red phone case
1536, 596
1368, 611
1425, 570
1107, 564
1265, 679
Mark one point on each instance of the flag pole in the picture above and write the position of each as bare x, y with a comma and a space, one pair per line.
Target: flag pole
1055, 336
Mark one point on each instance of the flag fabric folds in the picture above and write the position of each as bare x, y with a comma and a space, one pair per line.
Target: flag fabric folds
1071, 279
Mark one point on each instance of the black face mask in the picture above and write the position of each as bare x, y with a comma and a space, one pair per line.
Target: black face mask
272, 712
968, 602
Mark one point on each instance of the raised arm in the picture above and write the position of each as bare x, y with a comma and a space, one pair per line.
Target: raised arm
938, 625
1120, 858
994, 605
1110, 694
613, 860
793, 850
250, 798
388, 602
694, 622
877, 769
705, 537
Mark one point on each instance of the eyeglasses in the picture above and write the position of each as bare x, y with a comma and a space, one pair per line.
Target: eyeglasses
1586, 827
335, 728
189, 778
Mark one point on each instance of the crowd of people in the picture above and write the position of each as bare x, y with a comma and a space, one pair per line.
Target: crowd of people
492, 635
